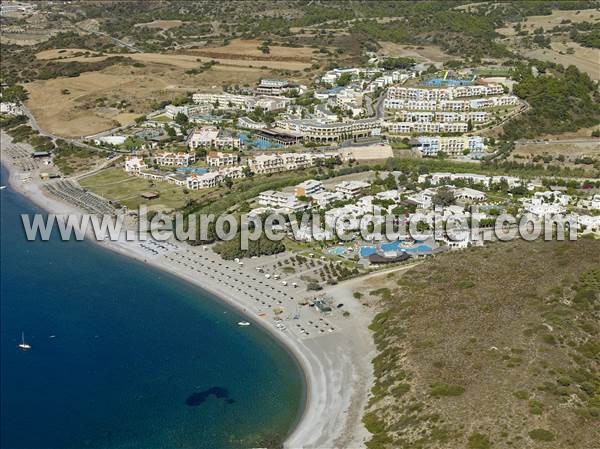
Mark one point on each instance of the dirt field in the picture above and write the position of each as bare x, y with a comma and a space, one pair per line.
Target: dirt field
428, 53
584, 58
79, 113
555, 149
547, 22
194, 58
247, 50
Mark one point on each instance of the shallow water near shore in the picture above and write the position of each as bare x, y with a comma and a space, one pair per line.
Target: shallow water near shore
126, 356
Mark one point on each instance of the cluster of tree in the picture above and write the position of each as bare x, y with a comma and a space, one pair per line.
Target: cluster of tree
14, 94
231, 249
561, 100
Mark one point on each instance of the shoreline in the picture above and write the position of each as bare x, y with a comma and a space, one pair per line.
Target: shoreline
336, 367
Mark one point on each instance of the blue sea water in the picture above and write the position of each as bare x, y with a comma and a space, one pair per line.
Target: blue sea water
126, 356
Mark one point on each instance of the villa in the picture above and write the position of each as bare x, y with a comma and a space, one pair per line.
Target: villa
175, 159
308, 188
134, 165
281, 200
218, 159
211, 137
452, 146
350, 189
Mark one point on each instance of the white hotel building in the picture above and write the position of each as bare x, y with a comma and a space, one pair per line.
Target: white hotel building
443, 116
426, 127
452, 146
315, 131
281, 200
175, 159
450, 105
450, 93
210, 137
218, 159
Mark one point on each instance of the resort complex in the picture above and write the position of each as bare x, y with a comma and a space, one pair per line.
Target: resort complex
352, 225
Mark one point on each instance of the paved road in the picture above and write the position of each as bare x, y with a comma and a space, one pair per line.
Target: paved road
379, 110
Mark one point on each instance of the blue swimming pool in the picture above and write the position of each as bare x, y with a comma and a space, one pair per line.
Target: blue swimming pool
337, 250
196, 170
439, 82
260, 144
366, 251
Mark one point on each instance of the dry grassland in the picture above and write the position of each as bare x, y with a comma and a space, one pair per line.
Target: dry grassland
425, 53
493, 347
77, 113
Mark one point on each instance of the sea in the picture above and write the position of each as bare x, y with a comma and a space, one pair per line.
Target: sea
127, 356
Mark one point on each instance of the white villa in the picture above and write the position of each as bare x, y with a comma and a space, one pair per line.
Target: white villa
175, 159
134, 165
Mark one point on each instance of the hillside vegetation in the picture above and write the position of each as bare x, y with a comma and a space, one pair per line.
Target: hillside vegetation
494, 347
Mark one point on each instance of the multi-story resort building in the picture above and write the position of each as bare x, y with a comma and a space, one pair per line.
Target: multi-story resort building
450, 93
443, 116
248, 123
218, 159
442, 177
241, 102
350, 189
273, 163
308, 188
281, 200
426, 127
204, 181
277, 87
315, 131
211, 137
169, 159
171, 111
450, 105
452, 146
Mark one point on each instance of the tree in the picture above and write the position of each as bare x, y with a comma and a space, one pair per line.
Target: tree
344, 79
181, 119
247, 172
14, 94
170, 131
444, 197
228, 182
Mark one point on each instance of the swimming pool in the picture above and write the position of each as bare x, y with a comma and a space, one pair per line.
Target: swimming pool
196, 170
337, 250
366, 251
438, 82
260, 144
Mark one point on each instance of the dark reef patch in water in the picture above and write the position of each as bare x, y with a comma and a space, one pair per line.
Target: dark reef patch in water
197, 399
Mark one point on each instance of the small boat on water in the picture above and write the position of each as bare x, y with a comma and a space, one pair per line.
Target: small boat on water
24, 346
243, 323
2, 187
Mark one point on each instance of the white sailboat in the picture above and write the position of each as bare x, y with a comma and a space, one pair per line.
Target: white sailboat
243, 323
24, 346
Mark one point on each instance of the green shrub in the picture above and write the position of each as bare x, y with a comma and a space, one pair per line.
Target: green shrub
536, 407
478, 441
442, 389
541, 435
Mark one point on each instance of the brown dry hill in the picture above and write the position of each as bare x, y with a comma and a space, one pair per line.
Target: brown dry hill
494, 347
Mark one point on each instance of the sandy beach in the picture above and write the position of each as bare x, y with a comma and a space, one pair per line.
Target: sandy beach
333, 350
